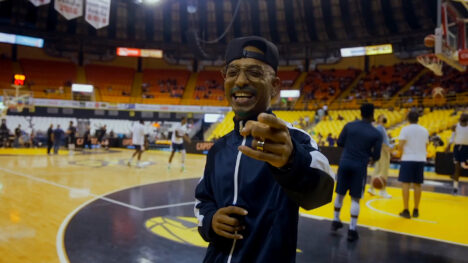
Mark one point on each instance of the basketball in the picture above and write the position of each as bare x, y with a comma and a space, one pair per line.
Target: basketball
378, 182
429, 41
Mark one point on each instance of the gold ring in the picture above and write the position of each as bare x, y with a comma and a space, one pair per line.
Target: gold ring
260, 145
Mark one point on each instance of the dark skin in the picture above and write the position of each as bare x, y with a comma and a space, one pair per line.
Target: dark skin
258, 79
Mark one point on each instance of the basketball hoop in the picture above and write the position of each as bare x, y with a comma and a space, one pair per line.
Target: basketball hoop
432, 62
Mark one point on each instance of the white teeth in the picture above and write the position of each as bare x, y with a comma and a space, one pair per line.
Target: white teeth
242, 94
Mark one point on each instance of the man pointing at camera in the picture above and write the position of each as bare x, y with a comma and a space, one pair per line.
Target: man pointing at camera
257, 176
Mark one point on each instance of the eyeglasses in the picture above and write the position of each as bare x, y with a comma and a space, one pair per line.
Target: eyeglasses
252, 73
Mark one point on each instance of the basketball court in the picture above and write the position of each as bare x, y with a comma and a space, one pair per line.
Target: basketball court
93, 207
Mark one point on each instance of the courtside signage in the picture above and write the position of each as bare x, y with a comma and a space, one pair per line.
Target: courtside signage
136, 52
366, 51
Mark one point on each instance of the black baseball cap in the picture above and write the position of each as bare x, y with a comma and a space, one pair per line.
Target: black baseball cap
235, 50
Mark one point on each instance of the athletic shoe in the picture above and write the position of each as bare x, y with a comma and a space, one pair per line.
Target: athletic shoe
168, 167
415, 213
455, 191
182, 169
352, 235
129, 164
336, 225
371, 191
405, 214
384, 194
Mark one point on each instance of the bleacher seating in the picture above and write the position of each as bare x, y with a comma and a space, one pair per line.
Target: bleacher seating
49, 79
453, 83
6, 74
288, 78
113, 83
325, 85
382, 83
164, 86
209, 89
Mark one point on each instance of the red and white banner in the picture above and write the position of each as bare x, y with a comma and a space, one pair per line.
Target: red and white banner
39, 2
69, 9
463, 57
97, 13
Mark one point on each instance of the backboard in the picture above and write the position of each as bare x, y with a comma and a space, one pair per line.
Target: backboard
451, 32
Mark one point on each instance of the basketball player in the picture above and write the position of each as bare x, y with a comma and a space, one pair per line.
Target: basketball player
50, 138
383, 164
413, 142
361, 143
71, 135
138, 140
258, 175
179, 134
460, 150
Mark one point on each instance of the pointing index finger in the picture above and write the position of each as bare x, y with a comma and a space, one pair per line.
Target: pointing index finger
271, 121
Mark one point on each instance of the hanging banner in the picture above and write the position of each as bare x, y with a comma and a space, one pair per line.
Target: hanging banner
97, 13
69, 9
39, 2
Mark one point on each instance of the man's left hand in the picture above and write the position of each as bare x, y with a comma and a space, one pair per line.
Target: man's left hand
277, 148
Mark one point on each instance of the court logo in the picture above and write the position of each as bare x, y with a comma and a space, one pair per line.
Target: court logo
180, 229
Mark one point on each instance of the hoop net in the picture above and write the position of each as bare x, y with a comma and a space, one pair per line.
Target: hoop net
432, 62
16, 100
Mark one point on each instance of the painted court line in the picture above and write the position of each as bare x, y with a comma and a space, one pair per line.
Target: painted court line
388, 230
368, 204
37, 179
167, 206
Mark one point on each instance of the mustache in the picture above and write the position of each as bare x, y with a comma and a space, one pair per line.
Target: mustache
248, 89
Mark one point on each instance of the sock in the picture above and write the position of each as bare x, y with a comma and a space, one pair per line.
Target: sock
183, 157
354, 213
338, 204
455, 184
353, 224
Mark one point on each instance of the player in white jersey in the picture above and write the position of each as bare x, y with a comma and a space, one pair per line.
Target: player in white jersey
138, 141
460, 149
179, 134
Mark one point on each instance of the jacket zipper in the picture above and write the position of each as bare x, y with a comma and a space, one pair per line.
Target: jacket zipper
236, 187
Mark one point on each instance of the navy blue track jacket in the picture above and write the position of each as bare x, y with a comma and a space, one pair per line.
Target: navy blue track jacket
271, 196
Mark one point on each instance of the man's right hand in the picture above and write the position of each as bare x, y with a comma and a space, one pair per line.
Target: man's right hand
225, 225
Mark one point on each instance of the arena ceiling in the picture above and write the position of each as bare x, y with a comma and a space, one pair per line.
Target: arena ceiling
302, 28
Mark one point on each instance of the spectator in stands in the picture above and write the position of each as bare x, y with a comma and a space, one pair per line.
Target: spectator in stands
4, 133
436, 140
58, 136
340, 118
17, 136
413, 145
320, 141
50, 138
330, 140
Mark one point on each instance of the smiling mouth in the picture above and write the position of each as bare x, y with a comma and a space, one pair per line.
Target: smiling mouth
242, 97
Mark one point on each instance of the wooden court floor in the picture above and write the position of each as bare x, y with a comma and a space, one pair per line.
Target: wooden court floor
40, 194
